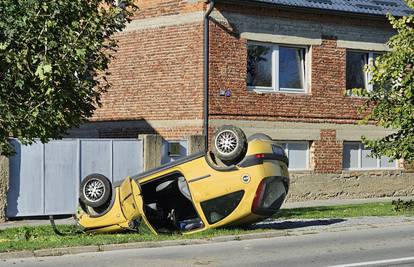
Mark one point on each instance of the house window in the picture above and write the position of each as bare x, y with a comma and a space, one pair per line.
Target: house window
355, 156
276, 68
356, 76
298, 154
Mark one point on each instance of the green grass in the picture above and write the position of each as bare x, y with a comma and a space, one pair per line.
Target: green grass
344, 211
41, 237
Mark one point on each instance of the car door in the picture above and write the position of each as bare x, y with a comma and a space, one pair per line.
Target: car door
132, 204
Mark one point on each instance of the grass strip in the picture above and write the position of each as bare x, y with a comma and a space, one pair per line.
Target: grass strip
43, 237
344, 211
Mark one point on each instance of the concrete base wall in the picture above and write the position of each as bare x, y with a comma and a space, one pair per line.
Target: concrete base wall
152, 150
195, 144
4, 186
350, 185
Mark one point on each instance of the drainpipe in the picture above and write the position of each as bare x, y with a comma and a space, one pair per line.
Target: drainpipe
207, 69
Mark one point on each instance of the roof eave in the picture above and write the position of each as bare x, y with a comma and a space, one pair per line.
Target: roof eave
306, 9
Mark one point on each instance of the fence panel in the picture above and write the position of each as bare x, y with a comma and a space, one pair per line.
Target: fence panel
45, 178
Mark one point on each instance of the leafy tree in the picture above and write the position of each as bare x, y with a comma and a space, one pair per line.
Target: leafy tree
54, 57
391, 103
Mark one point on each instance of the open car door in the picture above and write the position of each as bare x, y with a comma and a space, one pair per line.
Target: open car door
126, 209
132, 204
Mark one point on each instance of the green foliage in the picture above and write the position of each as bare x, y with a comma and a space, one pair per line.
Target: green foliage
54, 57
359, 92
392, 101
401, 205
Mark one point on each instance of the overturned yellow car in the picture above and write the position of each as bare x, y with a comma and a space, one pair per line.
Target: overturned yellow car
241, 181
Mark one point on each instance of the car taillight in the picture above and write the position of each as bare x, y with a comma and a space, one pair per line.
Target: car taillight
259, 196
270, 195
260, 156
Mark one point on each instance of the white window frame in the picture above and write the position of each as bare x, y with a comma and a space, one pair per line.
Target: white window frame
359, 168
275, 70
286, 142
368, 75
369, 86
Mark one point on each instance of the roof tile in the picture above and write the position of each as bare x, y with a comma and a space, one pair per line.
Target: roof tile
369, 7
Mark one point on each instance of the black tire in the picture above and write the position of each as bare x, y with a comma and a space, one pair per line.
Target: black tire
229, 144
95, 190
259, 136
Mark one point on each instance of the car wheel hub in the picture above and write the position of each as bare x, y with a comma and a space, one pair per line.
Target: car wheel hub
226, 142
94, 190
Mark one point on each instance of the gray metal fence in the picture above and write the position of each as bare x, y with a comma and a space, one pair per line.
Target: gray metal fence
45, 178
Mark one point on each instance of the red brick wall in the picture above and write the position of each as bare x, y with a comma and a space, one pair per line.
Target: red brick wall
328, 153
311, 15
157, 74
156, 8
325, 102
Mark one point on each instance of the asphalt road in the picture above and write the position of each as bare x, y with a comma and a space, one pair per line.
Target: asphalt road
383, 246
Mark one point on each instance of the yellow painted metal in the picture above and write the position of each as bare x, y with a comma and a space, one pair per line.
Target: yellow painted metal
222, 183
127, 198
139, 203
109, 229
128, 206
113, 217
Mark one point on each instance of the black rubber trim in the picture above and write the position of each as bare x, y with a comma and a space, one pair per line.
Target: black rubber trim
253, 160
199, 178
218, 168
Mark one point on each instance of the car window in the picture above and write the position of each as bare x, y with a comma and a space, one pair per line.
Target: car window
218, 208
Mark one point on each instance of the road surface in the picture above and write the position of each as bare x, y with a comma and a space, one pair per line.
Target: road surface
377, 246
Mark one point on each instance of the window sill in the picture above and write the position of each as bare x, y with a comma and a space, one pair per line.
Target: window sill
372, 170
356, 96
359, 93
306, 171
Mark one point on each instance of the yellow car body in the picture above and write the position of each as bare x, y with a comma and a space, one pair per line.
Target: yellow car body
216, 196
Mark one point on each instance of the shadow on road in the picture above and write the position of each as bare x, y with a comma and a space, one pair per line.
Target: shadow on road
282, 225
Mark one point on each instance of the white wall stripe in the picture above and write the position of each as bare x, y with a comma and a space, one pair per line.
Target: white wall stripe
164, 21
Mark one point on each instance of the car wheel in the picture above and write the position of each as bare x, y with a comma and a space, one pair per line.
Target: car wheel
95, 190
229, 144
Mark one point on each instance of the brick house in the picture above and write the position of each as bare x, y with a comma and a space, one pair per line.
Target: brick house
279, 67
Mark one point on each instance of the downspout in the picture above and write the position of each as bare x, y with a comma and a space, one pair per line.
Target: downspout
207, 69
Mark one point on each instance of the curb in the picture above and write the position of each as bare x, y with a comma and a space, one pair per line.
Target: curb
124, 246
182, 242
